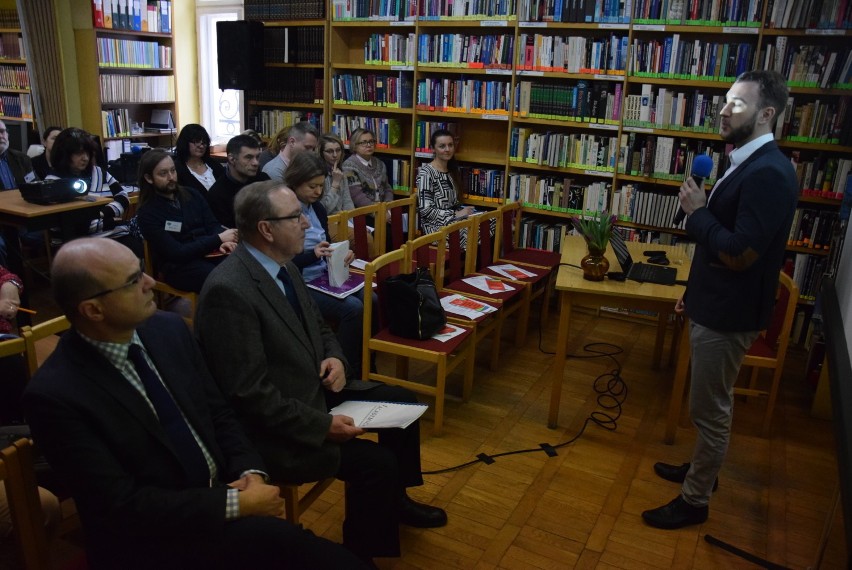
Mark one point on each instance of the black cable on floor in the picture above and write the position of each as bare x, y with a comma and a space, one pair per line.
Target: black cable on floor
612, 392
763, 563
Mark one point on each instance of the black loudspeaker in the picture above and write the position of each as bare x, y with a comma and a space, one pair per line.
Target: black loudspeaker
239, 46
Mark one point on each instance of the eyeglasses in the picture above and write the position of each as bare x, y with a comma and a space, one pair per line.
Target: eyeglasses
134, 280
333, 151
367, 143
291, 217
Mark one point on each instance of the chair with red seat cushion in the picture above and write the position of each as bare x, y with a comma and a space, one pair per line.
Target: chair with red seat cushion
446, 356
510, 231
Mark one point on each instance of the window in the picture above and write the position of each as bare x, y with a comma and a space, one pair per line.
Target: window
220, 110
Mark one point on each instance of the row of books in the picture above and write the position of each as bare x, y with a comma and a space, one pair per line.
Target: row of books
558, 194
423, 134
136, 15
293, 45
813, 228
482, 183
573, 54
489, 51
655, 207
14, 77
290, 86
667, 158
373, 89
809, 65
136, 88
11, 46
461, 95
9, 19
823, 176
674, 58
16, 106
667, 108
270, 121
698, 12
399, 173
393, 49
817, 121
387, 10
116, 52
467, 9
808, 271
574, 11
388, 131
564, 150
540, 234
583, 101
116, 123
814, 14
283, 9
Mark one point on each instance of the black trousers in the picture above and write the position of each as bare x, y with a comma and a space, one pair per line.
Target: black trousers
377, 475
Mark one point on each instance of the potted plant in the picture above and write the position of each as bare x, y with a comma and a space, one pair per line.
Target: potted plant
596, 230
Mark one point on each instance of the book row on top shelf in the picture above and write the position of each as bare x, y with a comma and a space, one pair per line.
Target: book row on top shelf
134, 15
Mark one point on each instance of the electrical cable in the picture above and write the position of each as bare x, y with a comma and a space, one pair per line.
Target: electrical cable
611, 390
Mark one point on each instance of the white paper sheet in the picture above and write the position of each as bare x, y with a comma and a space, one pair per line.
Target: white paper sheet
380, 414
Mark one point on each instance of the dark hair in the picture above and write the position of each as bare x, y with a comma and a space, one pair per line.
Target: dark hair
252, 204
452, 164
192, 132
71, 284
70, 142
253, 134
303, 167
772, 89
237, 143
147, 164
48, 131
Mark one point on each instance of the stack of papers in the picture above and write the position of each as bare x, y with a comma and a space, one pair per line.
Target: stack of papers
380, 414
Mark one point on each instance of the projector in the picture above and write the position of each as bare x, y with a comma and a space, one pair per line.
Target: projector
54, 191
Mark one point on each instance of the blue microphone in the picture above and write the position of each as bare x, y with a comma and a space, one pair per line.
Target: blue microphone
702, 166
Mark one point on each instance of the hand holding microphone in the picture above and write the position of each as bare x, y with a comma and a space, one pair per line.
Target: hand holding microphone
702, 166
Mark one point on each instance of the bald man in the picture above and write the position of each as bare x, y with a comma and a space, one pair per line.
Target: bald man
128, 415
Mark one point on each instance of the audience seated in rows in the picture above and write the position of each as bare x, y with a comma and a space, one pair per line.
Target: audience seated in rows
242, 169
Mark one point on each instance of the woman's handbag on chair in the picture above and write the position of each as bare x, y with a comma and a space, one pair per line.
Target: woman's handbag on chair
413, 307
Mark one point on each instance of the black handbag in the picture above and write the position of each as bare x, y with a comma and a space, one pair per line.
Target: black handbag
412, 306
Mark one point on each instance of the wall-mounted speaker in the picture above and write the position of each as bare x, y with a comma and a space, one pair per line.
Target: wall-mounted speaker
239, 46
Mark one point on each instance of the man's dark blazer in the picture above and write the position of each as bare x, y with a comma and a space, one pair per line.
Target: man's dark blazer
187, 179
267, 364
221, 197
747, 223
20, 165
101, 436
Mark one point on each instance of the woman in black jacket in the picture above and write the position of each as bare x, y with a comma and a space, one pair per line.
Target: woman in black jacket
195, 168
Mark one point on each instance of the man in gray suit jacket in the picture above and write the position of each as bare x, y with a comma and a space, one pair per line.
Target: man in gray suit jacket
282, 369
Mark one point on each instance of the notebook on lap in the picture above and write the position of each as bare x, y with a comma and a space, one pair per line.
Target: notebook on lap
642, 272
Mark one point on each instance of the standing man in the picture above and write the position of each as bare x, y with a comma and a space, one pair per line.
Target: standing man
243, 152
741, 232
129, 417
282, 370
302, 136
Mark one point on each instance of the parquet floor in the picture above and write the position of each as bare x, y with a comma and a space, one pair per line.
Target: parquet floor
581, 509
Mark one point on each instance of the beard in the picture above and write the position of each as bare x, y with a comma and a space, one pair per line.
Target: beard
169, 189
741, 133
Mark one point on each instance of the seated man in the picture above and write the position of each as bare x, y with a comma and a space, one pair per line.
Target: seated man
282, 369
15, 169
242, 169
301, 137
128, 416
178, 225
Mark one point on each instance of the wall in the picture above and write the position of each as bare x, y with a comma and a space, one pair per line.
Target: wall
186, 62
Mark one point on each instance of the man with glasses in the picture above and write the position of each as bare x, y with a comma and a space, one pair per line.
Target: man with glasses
185, 239
128, 416
302, 136
243, 152
282, 369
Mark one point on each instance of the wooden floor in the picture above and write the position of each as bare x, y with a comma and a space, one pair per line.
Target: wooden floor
582, 508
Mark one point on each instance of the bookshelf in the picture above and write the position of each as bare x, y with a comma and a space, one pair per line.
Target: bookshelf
127, 76
573, 107
15, 96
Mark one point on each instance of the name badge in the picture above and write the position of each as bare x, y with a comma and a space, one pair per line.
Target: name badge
30, 177
173, 226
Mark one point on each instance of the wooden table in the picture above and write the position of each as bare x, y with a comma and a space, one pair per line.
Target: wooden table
573, 289
15, 211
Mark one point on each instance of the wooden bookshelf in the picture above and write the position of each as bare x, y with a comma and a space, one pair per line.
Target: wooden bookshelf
15, 94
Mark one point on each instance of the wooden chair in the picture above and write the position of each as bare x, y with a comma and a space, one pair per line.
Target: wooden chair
446, 356
165, 292
770, 348
423, 252
403, 222
365, 244
510, 234
294, 505
24, 505
36, 333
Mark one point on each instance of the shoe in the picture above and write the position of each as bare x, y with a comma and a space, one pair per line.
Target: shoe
676, 473
418, 515
676, 514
